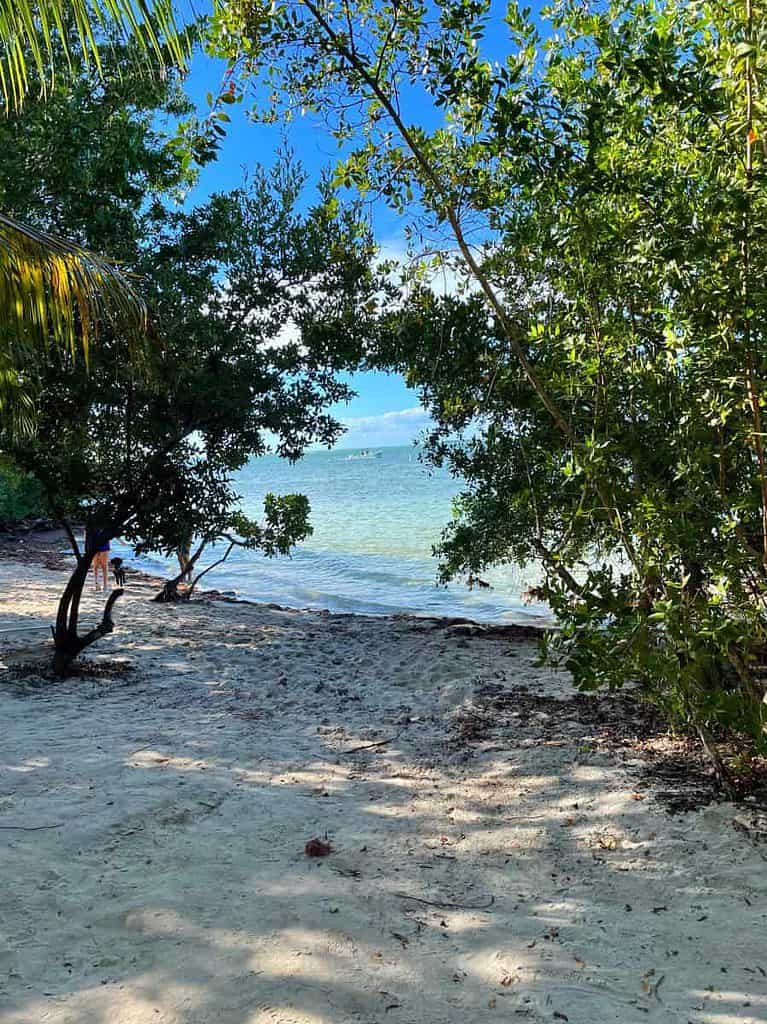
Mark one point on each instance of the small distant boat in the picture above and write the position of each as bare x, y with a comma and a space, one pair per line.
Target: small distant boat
364, 453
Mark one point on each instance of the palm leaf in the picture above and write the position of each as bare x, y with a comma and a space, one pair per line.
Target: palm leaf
53, 290
34, 34
17, 407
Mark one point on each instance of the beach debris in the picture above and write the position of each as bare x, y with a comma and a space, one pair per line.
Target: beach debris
317, 848
369, 746
484, 903
475, 581
606, 840
650, 987
30, 828
346, 872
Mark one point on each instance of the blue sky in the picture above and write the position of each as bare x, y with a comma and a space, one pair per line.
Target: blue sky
385, 411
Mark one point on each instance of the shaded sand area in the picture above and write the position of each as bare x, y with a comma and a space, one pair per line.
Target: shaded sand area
499, 857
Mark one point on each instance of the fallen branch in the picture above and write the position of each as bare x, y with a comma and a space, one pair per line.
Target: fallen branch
739, 823
29, 828
447, 905
369, 746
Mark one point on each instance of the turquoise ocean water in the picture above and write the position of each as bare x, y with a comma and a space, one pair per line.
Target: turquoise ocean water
375, 521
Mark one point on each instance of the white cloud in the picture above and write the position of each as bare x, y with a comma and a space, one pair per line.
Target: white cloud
443, 268
387, 428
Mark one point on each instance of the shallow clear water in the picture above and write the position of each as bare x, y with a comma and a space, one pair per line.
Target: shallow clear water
375, 521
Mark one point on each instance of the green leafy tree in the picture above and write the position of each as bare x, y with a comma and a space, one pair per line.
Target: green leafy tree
78, 162
150, 456
20, 494
600, 386
51, 288
260, 300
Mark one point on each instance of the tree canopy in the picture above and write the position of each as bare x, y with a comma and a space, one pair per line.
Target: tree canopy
260, 297
600, 188
51, 288
39, 38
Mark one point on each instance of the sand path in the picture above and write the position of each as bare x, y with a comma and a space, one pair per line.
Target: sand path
173, 888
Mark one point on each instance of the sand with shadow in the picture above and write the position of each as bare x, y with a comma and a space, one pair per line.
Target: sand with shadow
489, 862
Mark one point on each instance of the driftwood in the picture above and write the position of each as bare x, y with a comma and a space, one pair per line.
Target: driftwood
369, 746
446, 905
720, 772
30, 828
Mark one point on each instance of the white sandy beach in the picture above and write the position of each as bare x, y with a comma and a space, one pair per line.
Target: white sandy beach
485, 865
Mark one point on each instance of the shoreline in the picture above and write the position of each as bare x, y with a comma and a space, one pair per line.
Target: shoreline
42, 547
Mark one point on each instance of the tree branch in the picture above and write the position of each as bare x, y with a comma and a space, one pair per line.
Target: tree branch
70, 535
196, 580
430, 174
106, 625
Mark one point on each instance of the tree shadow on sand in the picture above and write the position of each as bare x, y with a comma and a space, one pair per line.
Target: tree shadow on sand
512, 872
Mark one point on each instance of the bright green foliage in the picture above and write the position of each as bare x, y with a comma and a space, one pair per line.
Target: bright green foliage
36, 39
151, 452
601, 388
55, 289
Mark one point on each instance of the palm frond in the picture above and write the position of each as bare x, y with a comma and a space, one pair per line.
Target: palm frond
34, 33
17, 407
53, 290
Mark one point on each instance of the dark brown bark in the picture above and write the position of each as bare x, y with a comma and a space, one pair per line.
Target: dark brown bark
170, 592
67, 642
213, 565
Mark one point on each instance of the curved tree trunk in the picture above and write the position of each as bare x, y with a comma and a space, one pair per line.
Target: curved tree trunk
67, 642
170, 591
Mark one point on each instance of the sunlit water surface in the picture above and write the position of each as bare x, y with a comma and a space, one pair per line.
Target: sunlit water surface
375, 522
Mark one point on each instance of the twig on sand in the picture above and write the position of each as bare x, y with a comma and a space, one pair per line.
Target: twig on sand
369, 746
30, 828
445, 904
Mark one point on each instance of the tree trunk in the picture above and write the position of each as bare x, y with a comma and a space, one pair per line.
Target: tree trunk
68, 644
720, 772
169, 590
